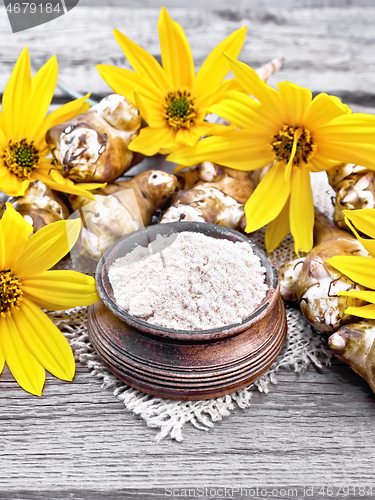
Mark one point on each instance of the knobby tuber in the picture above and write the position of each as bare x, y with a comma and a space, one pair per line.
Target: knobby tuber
130, 207
355, 344
93, 146
314, 283
40, 205
219, 197
355, 188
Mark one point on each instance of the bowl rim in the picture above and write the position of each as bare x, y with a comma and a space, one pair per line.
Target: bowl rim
102, 283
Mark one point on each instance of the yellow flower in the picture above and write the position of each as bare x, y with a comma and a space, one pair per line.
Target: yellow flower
360, 269
172, 99
294, 133
29, 341
23, 126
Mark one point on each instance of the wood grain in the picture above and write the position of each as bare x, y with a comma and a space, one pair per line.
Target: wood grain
328, 45
77, 441
316, 428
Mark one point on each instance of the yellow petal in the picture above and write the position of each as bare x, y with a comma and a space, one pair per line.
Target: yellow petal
348, 139
359, 294
187, 137
250, 80
363, 220
2, 361
143, 63
43, 86
244, 112
116, 79
301, 210
239, 149
268, 199
367, 312
16, 98
143, 110
58, 290
354, 128
45, 341
344, 107
60, 115
150, 110
11, 184
359, 154
176, 56
3, 139
216, 66
323, 109
368, 244
2, 247
150, 140
319, 163
227, 85
56, 176
208, 128
296, 101
91, 186
359, 269
27, 371
80, 189
16, 232
277, 229
125, 82
46, 247
288, 169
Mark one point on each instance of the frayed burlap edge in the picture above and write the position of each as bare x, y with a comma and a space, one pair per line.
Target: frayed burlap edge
302, 348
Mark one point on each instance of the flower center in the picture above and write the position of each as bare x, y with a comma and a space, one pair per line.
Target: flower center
10, 293
282, 145
179, 109
21, 158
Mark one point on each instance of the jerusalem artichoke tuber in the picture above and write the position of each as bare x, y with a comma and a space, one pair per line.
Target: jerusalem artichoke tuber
93, 146
40, 205
218, 197
314, 283
119, 209
355, 344
355, 188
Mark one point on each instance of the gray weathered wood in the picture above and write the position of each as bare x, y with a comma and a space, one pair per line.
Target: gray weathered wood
77, 441
312, 429
330, 38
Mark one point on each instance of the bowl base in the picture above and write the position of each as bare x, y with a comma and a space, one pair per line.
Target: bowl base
186, 370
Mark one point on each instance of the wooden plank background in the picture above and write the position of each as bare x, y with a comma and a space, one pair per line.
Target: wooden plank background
314, 429
328, 45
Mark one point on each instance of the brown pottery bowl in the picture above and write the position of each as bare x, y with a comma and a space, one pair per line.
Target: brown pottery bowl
184, 364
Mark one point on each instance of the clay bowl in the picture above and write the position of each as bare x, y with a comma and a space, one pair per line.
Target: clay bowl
181, 364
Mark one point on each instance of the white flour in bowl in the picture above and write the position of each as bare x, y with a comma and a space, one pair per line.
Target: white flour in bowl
189, 281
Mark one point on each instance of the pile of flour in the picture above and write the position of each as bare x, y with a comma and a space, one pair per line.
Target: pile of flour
189, 281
